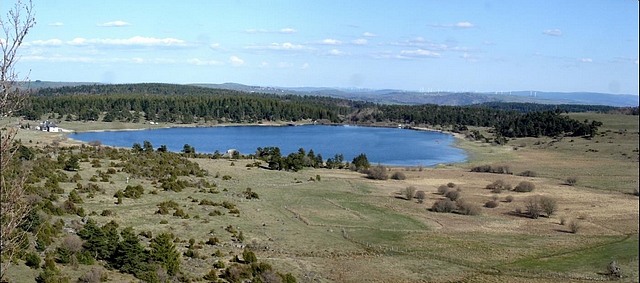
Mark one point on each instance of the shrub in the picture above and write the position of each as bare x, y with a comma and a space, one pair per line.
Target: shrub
420, 195
451, 185
32, 260
498, 186
409, 192
468, 208
491, 204
93, 276
443, 189
548, 205
453, 195
378, 172
563, 221
636, 192
508, 198
533, 207
444, 205
528, 173
574, 226
226, 177
571, 181
525, 186
398, 176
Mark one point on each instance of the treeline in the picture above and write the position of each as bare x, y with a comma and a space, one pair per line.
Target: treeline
189, 104
535, 107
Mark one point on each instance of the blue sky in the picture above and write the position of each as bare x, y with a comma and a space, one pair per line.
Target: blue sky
429, 45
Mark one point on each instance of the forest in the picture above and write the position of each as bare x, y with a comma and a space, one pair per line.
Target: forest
191, 104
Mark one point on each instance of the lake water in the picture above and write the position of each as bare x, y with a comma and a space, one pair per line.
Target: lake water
389, 146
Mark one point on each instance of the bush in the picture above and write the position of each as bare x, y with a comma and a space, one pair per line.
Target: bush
571, 181
409, 192
498, 186
444, 205
528, 173
443, 189
508, 198
525, 186
574, 226
533, 207
32, 260
453, 195
378, 172
468, 208
451, 185
93, 276
548, 205
398, 176
421, 195
491, 204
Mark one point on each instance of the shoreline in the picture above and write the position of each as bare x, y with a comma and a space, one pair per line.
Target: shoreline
84, 127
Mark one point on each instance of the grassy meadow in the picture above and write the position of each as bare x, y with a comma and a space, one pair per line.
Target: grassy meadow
326, 225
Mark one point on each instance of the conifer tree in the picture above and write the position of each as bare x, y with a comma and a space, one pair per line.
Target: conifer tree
163, 252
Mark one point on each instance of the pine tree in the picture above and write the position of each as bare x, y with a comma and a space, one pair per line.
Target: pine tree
163, 252
130, 253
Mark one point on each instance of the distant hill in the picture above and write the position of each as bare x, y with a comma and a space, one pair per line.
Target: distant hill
392, 96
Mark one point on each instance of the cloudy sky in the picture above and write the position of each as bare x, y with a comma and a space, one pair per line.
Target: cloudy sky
429, 45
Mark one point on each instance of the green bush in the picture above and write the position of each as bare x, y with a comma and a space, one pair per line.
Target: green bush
32, 260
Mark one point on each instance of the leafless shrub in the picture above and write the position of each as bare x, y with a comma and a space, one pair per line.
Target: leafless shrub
467, 208
533, 207
398, 176
443, 189
378, 172
574, 226
420, 195
409, 192
548, 205
451, 185
563, 220
525, 186
509, 198
453, 195
73, 243
93, 276
444, 205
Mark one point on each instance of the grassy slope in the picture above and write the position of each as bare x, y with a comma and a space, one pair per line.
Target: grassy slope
346, 228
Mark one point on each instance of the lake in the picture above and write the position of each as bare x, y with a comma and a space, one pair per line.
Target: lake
388, 146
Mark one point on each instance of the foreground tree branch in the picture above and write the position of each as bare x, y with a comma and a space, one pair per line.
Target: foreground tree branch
13, 205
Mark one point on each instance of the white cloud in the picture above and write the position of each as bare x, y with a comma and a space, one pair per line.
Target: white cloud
263, 65
459, 25
235, 61
278, 46
359, 41
304, 66
133, 41
114, 24
214, 45
368, 34
553, 32
336, 52
199, 62
419, 53
586, 60
285, 65
56, 24
330, 41
288, 30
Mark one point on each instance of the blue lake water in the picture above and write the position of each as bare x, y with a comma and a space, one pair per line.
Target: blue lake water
389, 146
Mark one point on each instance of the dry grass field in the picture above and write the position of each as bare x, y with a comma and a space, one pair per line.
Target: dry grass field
347, 228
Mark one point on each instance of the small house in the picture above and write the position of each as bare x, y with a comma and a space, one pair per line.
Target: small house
48, 126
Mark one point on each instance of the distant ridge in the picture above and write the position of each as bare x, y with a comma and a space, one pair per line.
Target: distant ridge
392, 96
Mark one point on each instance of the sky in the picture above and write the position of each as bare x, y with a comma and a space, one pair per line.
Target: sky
414, 45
